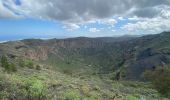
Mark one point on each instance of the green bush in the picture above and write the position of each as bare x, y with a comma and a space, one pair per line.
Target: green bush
18, 87
13, 67
21, 63
160, 79
131, 97
9, 67
4, 62
71, 95
30, 64
36, 88
38, 67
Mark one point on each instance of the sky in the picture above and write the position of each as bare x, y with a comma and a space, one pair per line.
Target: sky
21, 19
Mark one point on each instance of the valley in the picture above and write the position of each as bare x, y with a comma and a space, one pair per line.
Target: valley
83, 68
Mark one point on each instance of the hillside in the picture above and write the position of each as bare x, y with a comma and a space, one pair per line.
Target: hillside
132, 56
80, 65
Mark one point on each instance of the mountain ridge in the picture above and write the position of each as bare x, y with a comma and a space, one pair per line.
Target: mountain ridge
129, 56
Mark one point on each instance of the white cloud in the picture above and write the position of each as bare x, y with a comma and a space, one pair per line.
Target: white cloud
78, 11
134, 18
71, 27
5, 12
111, 22
121, 18
150, 25
149, 14
93, 30
155, 25
113, 30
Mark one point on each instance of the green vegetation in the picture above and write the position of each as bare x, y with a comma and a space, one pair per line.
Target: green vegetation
160, 79
4, 62
21, 63
36, 88
13, 67
71, 95
130, 97
17, 87
38, 67
30, 64
47, 84
9, 67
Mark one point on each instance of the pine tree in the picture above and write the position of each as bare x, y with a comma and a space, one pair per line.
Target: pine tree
4, 63
9, 67
13, 67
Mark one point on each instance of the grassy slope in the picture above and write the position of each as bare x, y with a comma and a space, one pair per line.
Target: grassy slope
51, 84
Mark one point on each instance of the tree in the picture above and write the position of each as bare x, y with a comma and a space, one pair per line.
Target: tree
160, 79
30, 64
13, 67
5, 63
9, 67
38, 67
22, 63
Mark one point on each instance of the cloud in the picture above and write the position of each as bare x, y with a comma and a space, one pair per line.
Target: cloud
5, 12
155, 24
78, 11
73, 13
110, 22
93, 30
134, 18
71, 27
121, 18
113, 30
147, 12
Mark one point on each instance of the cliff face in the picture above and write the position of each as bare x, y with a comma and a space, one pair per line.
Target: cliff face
37, 54
40, 50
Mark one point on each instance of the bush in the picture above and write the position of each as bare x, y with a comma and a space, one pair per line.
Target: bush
30, 64
13, 67
22, 63
85, 89
131, 97
18, 87
38, 67
4, 62
36, 88
160, 79
9, 67
67, 71
71, 95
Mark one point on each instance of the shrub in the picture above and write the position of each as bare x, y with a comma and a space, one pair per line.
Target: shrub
38, 67
131, 97
22, 63
18, 87
67, 71
36, 88
85, 89
160, 79
13, 67
71, 95
4, 62
9, 67
30, 64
